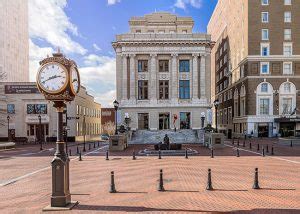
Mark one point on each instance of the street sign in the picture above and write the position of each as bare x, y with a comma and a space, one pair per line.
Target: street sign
73, 118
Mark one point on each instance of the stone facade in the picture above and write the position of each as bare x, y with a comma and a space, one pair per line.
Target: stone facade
19, 100
263, 66
14, 45
153, 39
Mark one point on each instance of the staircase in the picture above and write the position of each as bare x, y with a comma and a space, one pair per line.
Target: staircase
186, 136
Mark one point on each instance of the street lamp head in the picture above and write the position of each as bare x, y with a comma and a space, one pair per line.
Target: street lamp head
216, 103
202, 115
39, 117
116, 104
8, 117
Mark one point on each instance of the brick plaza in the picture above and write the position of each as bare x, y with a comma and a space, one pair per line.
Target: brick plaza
137, 181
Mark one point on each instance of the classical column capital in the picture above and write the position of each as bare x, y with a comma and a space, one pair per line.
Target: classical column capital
195, 55
153, 55
124, 55
132, 55
203, 55
174, 55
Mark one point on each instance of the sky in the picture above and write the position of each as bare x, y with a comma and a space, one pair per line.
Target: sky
84, 30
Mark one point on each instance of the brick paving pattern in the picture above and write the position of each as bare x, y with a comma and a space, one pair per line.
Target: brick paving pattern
137, 181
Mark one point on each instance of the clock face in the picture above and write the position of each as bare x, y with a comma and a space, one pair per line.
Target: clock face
52, 77
75, 81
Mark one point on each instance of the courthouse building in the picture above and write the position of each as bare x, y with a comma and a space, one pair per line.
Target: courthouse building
23, 103
163, 72
256, 66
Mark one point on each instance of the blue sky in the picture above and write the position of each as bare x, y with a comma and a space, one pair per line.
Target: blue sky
84, 30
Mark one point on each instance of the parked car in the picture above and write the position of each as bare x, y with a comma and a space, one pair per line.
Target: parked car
104, 137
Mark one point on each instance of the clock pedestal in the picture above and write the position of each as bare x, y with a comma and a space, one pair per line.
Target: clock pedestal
61, 197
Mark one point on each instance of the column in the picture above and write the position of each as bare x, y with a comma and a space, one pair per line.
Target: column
124, 78
195, 77
174, 79
202, 77
132, 78
153, 79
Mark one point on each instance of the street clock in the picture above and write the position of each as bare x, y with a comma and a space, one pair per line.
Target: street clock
58, 78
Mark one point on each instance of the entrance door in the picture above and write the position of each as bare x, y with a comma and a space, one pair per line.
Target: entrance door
185, 120
164, 121
287, 129
263, 130
143, 121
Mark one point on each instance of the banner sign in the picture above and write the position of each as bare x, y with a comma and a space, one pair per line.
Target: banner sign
21, 89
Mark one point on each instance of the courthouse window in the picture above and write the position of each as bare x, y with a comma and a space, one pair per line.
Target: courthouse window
287, 68
10, 108
184, 89
143, 89
163, 89
142, 65
163, 65
184, 65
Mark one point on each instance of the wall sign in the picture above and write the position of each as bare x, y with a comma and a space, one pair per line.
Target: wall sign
21, 89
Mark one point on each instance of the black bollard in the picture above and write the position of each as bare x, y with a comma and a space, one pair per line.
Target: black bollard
258, 147
256, 185
263, 151
84, 148
161, 182
94, 145
106, 155
237, 152
209, 182
238, 143
159, 154
80, 159
112, 183
77, 150
133, 155
186, 154
70, 152
291, 143
98, 144
232, 142
250, 145
267, 149
212, 153
272, 151
89, 146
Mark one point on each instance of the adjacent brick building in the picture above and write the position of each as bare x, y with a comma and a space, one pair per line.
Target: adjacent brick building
256, 66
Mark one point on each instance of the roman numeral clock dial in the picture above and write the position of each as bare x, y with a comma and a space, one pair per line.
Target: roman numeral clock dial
52, 78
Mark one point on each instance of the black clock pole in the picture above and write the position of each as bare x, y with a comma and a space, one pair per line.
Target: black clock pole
60, 165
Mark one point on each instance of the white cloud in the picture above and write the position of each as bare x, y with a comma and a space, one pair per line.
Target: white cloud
49, 22
106, 99
182, 4
36, 54
112, 2
99, 69
96, 47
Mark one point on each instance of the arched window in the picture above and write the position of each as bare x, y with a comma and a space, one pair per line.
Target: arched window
264, 99
287, 98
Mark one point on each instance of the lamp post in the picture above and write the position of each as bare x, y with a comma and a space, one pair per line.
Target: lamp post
216, 104
8, 132
202, 119
116, 106
40, 132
